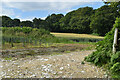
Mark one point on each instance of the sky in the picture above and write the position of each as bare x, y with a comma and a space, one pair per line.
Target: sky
29, 9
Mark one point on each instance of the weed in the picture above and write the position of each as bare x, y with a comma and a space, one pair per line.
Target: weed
55, 54
8, 58
82, 62
67, 51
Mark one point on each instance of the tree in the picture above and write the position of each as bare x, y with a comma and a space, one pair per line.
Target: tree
7, 21
16, 22
53, 21
36, 22
26, 23
104, 18
39, 23
77, 21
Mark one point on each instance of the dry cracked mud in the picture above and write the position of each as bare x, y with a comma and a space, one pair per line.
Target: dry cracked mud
52, 66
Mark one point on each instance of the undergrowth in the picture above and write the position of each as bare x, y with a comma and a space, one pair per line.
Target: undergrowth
103, 54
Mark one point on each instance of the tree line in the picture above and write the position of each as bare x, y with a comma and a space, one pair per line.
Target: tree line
83, 20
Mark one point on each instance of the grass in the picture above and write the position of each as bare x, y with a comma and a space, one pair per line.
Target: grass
27, 45
6, 45
8, 58
56, 49
62, 38
73, 35
54, 53
78, 37
67, 51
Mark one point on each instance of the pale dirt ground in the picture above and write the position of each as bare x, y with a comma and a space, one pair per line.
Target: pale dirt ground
52, 66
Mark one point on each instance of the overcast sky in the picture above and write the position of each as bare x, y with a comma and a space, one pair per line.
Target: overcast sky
29, 9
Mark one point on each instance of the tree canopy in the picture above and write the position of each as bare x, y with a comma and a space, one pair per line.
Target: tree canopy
83, 20
103, 19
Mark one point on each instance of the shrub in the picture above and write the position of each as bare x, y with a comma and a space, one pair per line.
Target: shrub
115, 63
115, 58
115, 69
103, 54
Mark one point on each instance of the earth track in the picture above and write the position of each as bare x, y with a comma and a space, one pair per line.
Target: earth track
68, 65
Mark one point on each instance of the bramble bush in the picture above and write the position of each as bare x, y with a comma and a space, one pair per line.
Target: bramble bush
103, 54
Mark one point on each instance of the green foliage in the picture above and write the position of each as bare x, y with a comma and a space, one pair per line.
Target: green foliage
77, 21
115, 63
82, 62
29, 36
23, 35
103, 54
26, 23
39, 23
53, 22
25, 32
83, 20
16, 22
104, 18
85, 39
115, 58
115, 69
7, 21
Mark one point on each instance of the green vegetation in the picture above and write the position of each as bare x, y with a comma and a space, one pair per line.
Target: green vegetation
82, 62
73, 35
103, 19
79, 37
20, 37
8, 58
103, 55
77, 21
56, 54
28, 37
84, 20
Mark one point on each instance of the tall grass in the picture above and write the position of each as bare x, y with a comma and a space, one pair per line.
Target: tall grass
28, 36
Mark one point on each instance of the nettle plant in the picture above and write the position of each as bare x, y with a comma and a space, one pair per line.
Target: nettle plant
103, 54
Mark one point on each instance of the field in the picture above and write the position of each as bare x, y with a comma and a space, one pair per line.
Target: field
26, 37
73, 35
79, 37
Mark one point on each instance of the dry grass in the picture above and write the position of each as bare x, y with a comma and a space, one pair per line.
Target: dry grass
73, 35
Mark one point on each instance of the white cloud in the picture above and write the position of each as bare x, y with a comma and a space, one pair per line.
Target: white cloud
8, 7
54, 6
49, 6
0, 8
24, 19
7, 12
30, 19
43, 18
17, 16
52, 0
69, 10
